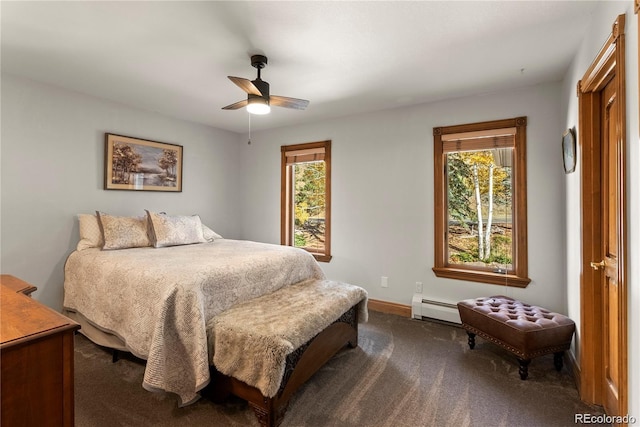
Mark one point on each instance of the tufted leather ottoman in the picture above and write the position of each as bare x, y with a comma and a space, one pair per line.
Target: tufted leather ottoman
525, 330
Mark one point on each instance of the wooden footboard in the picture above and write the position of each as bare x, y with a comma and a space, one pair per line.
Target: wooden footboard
302, 363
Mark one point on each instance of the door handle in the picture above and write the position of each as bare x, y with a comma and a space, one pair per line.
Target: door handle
597, 265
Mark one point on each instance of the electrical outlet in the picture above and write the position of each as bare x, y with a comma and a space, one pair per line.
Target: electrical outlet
384, 281
418, 287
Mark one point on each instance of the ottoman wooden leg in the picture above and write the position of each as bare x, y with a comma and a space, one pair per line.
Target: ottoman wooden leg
524, 368
472, 340
557, 360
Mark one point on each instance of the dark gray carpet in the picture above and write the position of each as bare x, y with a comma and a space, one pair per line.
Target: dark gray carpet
404, 373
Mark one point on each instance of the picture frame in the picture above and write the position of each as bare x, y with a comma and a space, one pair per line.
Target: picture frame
569, 150
141, 165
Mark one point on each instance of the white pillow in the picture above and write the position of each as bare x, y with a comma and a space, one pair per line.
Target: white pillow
209, 234
121, 232
90, 233
175, 230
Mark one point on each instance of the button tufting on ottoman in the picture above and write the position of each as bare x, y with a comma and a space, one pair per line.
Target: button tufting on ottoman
525, 330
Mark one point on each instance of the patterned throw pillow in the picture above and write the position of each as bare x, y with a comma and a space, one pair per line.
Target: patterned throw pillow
90, 233
121, 232
175, 230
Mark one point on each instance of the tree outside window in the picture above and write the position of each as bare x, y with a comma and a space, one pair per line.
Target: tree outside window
479, 209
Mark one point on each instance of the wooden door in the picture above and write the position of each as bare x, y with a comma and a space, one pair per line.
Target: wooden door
603, 370
610, 280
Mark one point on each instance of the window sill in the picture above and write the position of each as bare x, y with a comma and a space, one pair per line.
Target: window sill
482, 277
322, 258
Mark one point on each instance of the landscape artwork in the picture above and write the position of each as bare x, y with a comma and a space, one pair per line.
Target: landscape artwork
142, 165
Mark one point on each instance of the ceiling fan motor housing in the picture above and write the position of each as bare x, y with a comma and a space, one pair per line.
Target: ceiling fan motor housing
262, 86
258, 61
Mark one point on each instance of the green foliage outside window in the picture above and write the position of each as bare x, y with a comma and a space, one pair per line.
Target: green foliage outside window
479, 209
309, 203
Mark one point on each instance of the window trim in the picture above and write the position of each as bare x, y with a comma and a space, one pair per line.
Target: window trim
519, 276
286, 195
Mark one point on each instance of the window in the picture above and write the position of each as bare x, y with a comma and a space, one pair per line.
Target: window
306, 198
481, 202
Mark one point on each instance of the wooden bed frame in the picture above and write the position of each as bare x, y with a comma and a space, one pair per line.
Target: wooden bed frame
302, 363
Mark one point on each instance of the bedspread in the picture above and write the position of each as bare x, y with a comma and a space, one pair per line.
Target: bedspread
159, 300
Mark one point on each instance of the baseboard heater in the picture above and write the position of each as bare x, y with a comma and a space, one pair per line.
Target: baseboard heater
423, 307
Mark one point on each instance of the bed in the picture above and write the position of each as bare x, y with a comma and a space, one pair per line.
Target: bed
158, 298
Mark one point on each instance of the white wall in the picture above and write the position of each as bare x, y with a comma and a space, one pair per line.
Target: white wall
597, 34
53, 168
382, 194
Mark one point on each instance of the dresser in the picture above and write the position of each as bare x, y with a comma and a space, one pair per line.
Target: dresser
36, 359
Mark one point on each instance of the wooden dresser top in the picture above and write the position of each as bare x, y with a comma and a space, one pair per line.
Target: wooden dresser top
17, 285
23, 318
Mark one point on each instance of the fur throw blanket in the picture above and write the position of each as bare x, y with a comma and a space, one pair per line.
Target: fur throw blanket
251, 340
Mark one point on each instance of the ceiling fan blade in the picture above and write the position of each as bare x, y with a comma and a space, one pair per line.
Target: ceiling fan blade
246, 85
283, 101
236, 105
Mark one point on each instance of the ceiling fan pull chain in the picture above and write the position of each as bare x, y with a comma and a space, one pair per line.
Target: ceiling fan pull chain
249, 143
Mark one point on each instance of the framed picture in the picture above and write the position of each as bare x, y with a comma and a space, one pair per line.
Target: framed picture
141, 165
569, 150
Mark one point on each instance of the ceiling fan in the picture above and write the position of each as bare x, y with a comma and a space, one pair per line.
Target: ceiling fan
258, 98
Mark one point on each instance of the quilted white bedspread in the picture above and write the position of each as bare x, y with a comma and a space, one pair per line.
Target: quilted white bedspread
159, 300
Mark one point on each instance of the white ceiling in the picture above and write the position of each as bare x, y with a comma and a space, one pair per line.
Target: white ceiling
345, 57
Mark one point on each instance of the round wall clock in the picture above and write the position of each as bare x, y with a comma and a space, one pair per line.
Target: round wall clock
569, 150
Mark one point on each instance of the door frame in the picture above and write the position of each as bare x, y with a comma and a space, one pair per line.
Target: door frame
609, 62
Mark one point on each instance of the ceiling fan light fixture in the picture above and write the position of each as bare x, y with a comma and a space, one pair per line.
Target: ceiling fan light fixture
258, 105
